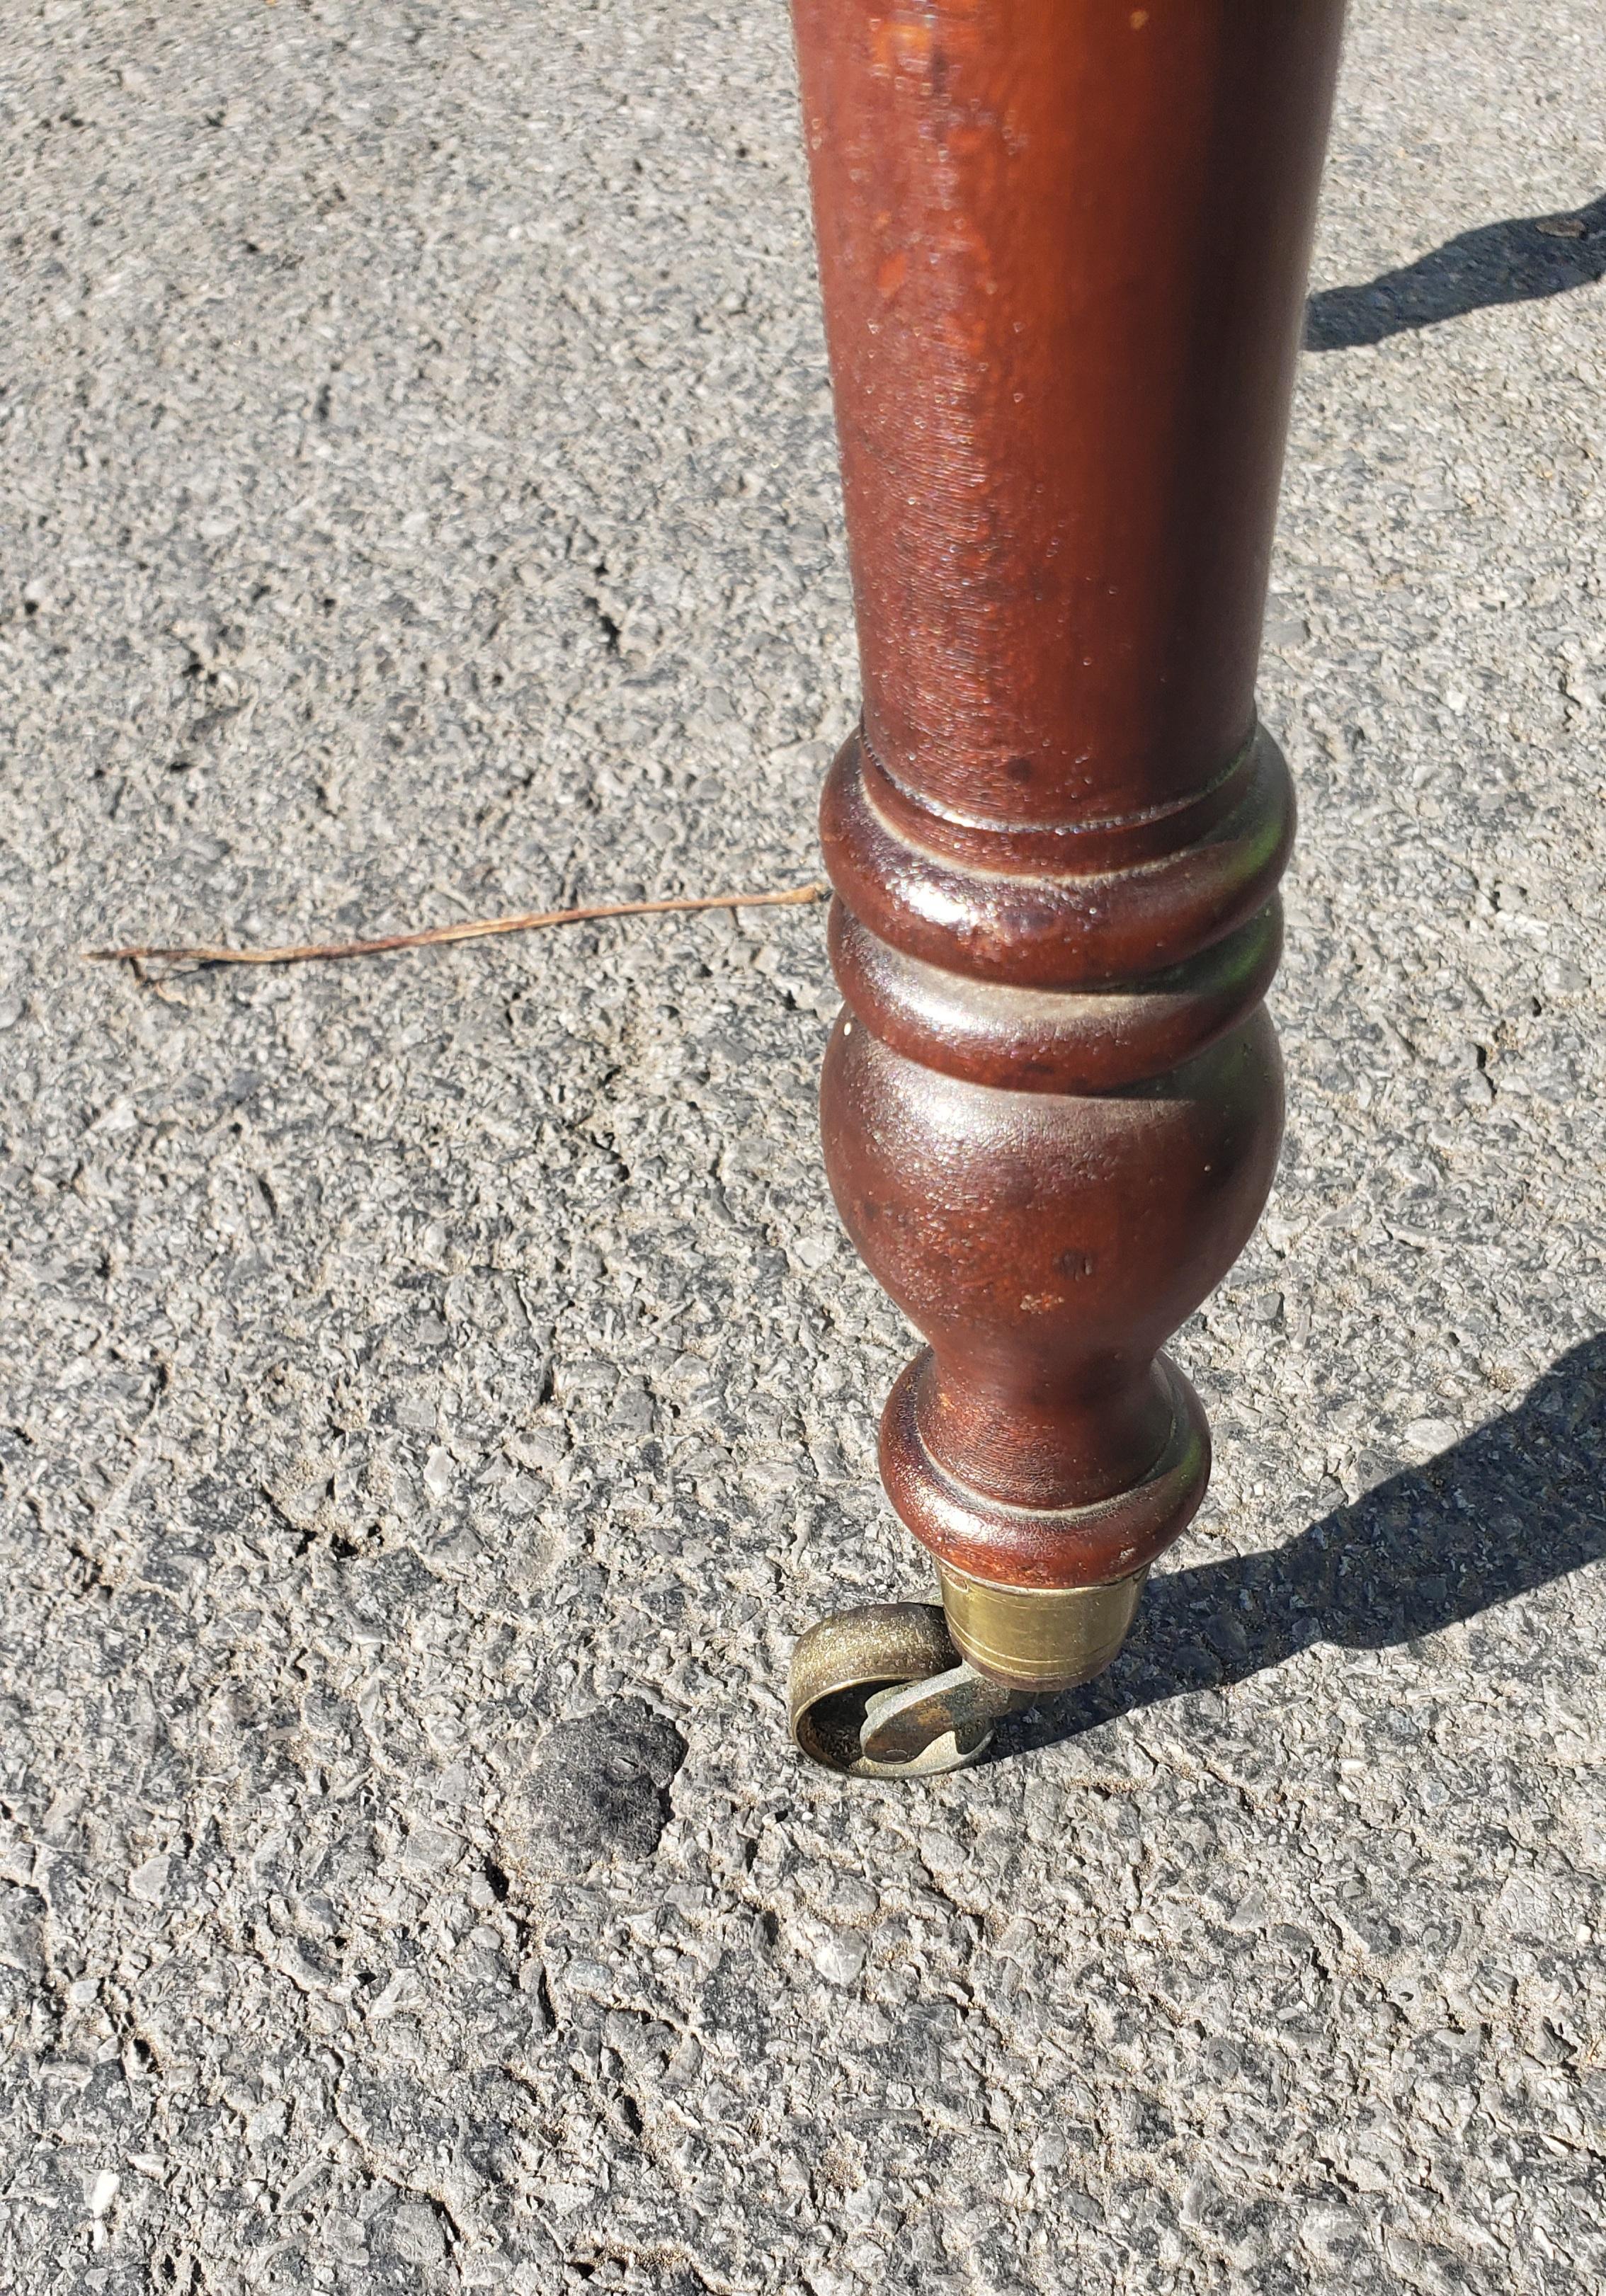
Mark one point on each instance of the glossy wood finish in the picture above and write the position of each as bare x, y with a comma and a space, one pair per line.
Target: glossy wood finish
1063, 247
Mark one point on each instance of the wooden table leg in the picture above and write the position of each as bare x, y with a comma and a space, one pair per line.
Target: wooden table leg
1063, 248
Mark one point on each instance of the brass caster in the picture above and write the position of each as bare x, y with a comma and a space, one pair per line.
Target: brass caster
882, 1692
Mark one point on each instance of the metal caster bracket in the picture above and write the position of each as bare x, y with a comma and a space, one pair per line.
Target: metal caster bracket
882, 1692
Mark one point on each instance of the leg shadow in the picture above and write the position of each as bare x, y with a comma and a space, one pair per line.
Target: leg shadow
1515, 262
1520, 1502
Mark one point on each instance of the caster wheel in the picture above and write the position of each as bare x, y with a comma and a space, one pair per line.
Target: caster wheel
882, 1692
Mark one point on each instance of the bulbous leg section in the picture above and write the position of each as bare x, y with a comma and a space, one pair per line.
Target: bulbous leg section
1046, 1244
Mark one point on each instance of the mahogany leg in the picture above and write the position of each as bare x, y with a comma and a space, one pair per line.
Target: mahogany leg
1063, 248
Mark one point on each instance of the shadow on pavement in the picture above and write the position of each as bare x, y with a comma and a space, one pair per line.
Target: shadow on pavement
1515, 262
1519, 1503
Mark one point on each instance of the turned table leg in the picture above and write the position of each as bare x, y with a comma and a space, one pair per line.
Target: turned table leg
1063, 247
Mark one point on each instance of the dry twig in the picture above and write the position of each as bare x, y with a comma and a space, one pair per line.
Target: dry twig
477, 929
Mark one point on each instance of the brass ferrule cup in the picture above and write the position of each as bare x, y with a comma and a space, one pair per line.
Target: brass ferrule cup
1033, 1638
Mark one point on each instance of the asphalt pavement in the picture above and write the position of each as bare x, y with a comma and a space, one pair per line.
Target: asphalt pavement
435, 1389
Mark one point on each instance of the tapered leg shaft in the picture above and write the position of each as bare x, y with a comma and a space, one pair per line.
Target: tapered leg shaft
1063, 247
